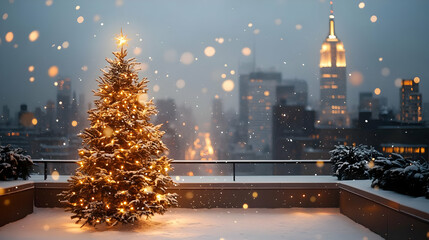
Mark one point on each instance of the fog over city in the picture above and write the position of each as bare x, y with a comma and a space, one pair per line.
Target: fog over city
171, 39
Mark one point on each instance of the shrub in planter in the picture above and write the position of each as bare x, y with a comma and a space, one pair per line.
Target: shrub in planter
401, 175
13, 163
350, 162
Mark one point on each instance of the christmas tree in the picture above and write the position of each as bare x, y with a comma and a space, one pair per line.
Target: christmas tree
123, 171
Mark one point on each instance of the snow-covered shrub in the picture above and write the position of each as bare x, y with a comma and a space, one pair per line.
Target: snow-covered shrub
401, 175
13, 163
350, 162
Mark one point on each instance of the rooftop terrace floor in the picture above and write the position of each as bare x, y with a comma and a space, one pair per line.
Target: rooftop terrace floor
179, 223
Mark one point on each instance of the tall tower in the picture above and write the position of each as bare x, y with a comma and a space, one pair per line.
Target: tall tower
411, 101
333, 80
63, 105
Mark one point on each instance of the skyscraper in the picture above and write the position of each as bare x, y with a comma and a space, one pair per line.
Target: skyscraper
411, 101
333, 81
257, 96
63, 105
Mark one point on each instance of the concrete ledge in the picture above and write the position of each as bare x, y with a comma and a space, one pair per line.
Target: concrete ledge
389, 214
383, 215
16, 201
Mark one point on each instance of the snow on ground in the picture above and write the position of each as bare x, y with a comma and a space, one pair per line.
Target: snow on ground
214, 224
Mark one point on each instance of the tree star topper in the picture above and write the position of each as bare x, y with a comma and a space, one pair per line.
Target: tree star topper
121, 40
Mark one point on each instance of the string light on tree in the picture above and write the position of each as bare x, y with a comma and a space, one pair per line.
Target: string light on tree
123, 170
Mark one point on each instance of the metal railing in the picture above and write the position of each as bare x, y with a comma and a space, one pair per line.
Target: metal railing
321, 167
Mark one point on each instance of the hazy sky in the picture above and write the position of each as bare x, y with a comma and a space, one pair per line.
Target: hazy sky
289, 32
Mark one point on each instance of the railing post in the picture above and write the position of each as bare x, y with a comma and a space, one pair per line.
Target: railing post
45, 164
233, 171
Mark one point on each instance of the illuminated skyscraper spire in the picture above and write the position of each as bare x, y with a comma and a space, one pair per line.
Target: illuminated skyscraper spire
331, 23
333, 80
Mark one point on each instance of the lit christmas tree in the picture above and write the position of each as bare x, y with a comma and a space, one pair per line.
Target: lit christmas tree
123, 169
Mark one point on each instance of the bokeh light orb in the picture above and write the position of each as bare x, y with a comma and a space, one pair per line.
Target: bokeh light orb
55, 175
385, 72
246, 51
65, 44
9, 37
156, 88
80, 19
33, 36
228, 85
31, 68
361, 5
209, 51
53, 71
180, 83
398, 82
373, 18
34, 121
74, 123
142, 98
356, 78
31, 79
137, 51
187, 58
377, 91
416, 79
298, 27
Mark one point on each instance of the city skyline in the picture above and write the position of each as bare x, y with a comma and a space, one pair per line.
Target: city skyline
202, 79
